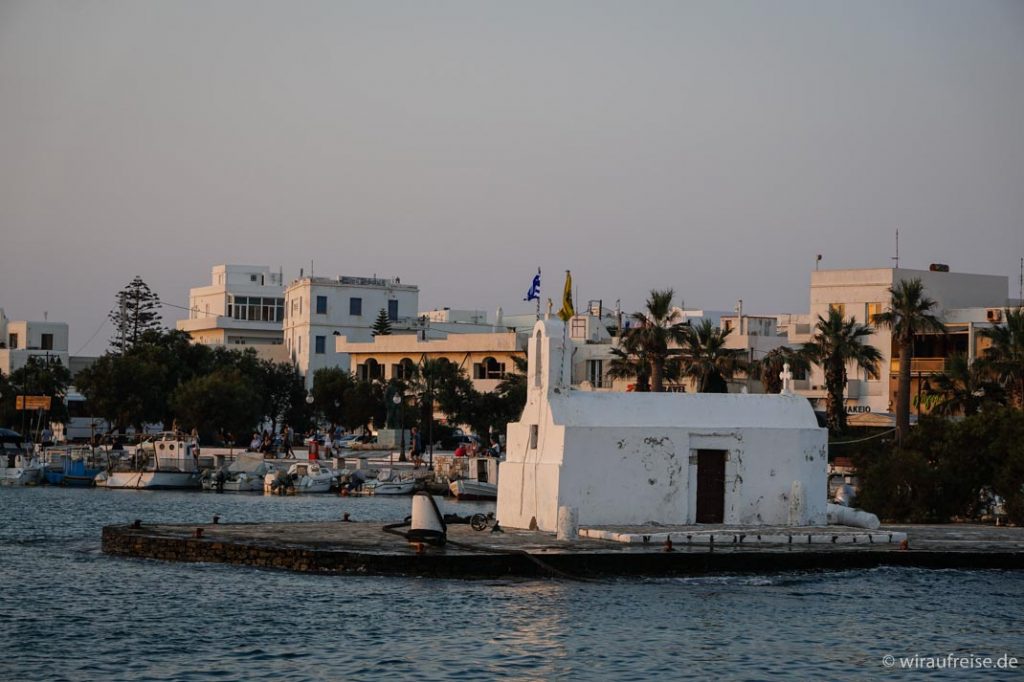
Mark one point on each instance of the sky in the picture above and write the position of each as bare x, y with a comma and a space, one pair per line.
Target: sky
712, 147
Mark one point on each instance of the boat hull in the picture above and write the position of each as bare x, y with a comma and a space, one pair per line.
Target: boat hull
151, 480
473, 490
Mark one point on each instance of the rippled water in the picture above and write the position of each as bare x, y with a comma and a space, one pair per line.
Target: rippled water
69, 612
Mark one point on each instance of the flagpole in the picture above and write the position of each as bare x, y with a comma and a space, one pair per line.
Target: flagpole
538, 295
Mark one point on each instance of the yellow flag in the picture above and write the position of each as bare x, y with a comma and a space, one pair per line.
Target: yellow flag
567, 310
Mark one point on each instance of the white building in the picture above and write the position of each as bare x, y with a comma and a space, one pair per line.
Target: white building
864, 293
20, 340
316, 309
634, 458
242, 306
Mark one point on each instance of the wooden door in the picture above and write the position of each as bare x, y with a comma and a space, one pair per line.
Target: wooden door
710, 486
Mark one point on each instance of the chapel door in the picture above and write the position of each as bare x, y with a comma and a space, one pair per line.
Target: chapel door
710, 486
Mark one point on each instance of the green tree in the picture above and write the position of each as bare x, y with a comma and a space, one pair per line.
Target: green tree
125, 390
283, 390
382, 325
136, 312
768, 368
7, 400
43, 376
1006, 354
331, 387
654, 332
909, 313
705, 359
838, 342
222, 403
494, 410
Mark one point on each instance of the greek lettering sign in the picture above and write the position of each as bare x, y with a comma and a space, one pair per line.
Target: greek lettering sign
32, 402
858, 409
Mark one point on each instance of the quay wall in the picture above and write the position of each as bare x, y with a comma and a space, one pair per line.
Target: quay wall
140, 543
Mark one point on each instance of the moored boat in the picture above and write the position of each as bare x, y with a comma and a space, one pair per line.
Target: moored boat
476, 479
18, 464
73, 466
166, 462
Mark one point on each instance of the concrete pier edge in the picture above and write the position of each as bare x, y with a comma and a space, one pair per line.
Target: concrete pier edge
182, 543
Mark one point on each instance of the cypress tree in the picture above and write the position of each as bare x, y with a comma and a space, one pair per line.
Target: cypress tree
382, 325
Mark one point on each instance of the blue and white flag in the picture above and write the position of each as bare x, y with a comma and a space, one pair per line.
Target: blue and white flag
534, 293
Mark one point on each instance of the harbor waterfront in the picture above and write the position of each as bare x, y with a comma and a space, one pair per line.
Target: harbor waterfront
71, 612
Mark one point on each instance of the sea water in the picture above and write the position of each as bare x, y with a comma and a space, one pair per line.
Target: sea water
69, 612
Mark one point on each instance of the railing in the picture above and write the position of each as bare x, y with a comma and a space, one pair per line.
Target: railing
921, 365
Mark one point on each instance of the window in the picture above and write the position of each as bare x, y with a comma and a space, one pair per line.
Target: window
579, 328
533, 436
355, 306
321, 345
12, 340
489, 368
252, 278
404, 369
595, 373
300, 345
321, 305
46, 343
392, 310
838, 307
873, 311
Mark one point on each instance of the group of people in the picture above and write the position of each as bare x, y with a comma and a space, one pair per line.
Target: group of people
269, 444
471, 448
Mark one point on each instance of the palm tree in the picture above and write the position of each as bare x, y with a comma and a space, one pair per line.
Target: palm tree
648, 341
705, 359
909, 313
1006, 354
768, 368
629, 364
837, 342
962, 389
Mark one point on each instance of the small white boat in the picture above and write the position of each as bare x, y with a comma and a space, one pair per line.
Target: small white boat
165, 463
301, 477
18, 465
477, 479
465, 489
391, 483
244, 475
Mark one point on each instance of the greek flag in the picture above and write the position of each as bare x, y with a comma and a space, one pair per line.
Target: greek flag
534, 293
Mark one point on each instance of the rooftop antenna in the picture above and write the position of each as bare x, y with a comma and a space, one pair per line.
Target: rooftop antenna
897, 257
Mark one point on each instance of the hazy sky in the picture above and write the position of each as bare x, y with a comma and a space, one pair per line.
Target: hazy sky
713, 147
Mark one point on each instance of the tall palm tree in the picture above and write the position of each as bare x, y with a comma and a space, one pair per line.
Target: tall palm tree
909, 313
1006, 354
768, 368
962, 388
705, 359
837, 342
628, 362
654, 331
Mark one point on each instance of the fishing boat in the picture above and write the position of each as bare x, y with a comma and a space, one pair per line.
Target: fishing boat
73, 466
477, 479
165, 462
18, 464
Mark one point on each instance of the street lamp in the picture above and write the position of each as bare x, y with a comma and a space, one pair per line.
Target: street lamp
397, 400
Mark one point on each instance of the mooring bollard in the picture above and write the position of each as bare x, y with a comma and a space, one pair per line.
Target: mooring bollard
137, 523
216, 519
198, 533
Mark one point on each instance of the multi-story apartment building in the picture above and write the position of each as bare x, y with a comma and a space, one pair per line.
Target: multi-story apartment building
966, 303
317, 309
21, 340
242, 306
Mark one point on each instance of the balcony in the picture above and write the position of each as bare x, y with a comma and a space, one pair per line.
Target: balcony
921, 366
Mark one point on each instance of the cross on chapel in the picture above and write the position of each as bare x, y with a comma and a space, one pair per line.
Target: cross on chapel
787, 378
